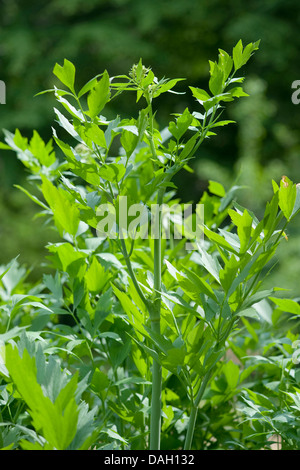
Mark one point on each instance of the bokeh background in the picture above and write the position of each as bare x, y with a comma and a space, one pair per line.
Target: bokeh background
176, 38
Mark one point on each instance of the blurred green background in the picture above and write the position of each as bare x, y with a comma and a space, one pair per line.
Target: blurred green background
176, 38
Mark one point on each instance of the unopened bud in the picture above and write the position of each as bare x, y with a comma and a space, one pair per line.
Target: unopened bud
284, 181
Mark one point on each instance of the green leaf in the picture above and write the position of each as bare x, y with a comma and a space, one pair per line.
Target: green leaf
43, 152
188, 147
139, 359
248, 51
231, 372
20, 141
182, 124
4, 146
97, 136
200, 94
99, 96
206, 260
100, 381
114, 434
18, 301
219, 240
128, 141
26, 445
75, 113
223, 123
68, 256
177, 299
269, 219
262, 260
66, 214
216, 81
237, 54
96, 277
89, 85
11, 275
56, 421
32, 197
66, 74
161, 342
244, 228
260, 399
287, 197
194, 285
54, 284
240, 56
237, 92
287, 305
66, 124
225, 63
112, 171
167, 86
216, 188
19, 144
103, 307
87, 171
66, 149
174, 359
135, 317
251, 264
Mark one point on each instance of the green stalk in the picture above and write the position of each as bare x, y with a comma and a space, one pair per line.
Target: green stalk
193, 414
155, 420
191, 428
155, 417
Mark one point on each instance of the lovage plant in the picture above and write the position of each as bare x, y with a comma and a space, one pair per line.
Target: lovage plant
151, 290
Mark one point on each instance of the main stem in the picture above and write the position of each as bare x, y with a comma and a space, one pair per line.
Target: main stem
155, 419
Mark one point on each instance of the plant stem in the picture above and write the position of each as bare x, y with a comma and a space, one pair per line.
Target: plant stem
155, 417
191, 427
194, 411
155, 421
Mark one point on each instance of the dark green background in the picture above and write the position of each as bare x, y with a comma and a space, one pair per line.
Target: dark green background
176, 38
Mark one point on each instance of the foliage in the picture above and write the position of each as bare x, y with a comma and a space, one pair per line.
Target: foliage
121, 350
175, 37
